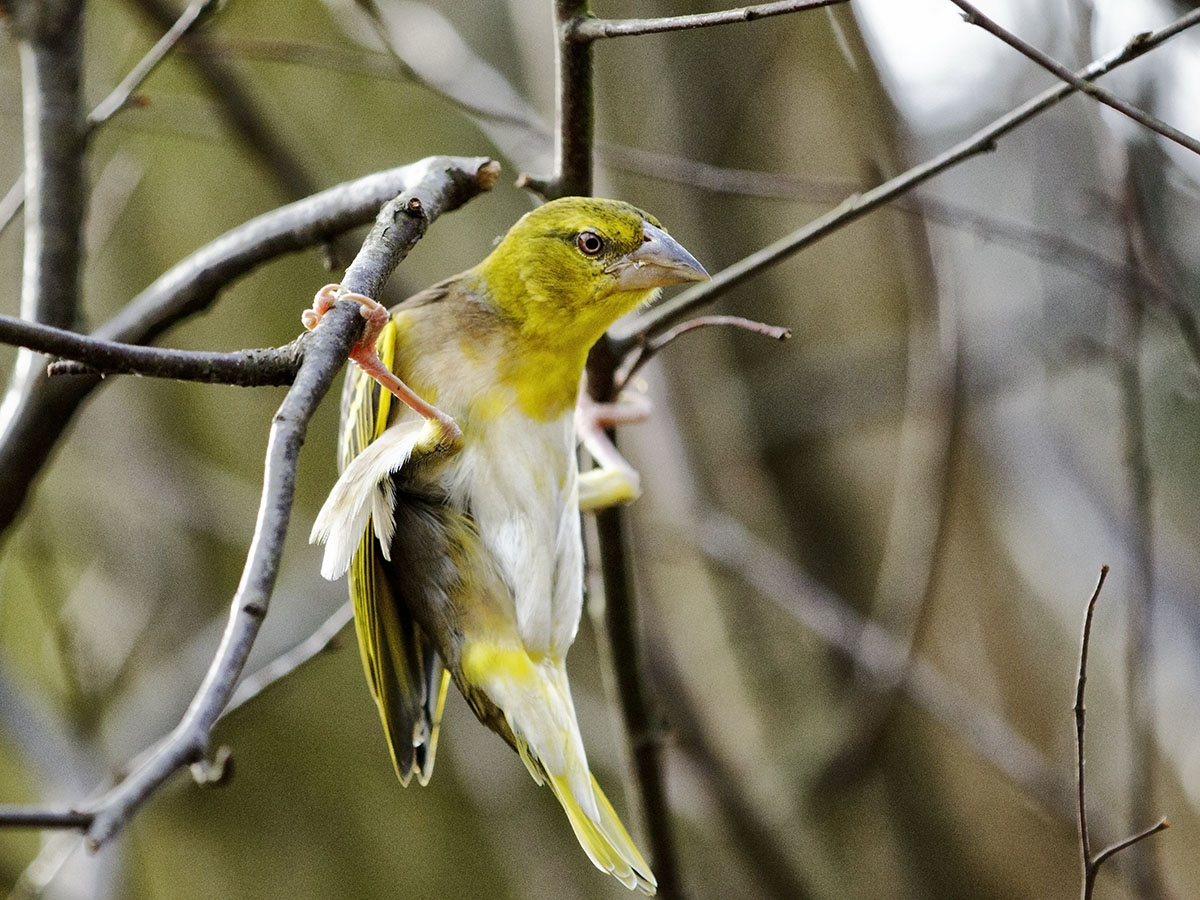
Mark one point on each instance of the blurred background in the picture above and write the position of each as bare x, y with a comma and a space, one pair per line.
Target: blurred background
864, 555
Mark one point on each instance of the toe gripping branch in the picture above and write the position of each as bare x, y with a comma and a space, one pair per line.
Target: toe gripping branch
363, 353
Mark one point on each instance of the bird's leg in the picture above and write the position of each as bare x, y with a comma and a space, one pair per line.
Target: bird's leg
363, 353
614, 481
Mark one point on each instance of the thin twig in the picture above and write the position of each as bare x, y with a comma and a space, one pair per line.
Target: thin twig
858, 205
585, 30
974, 16
398, 226
120, 96
1080, 712
1091, 864
286, 663
1160, 825
643, 353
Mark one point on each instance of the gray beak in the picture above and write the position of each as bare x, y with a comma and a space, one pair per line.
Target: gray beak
658, 262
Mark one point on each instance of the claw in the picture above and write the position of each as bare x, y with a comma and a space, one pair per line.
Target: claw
364, 355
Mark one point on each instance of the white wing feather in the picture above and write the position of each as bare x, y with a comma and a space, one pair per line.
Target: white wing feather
364, 494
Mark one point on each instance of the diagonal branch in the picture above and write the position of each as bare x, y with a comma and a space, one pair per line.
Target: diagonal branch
974, 16
121, 96
858, 205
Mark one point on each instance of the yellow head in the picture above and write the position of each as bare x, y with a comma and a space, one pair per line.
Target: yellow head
569, 269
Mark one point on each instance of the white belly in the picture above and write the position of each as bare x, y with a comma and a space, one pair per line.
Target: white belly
522, 481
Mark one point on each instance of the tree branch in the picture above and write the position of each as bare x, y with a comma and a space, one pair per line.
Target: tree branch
120, 96
974, 16
400, 224
287, 663
91, 356
633, 361
586, 30
620, 629
1091, 864
854, 207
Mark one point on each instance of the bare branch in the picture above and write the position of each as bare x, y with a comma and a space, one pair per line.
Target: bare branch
400, 224
1080, 684
32, 817
974, 16
644, 352
245, 368
1160, 825
585, 30
858, 205
287, 663
1091, 865
120, 96
575, 114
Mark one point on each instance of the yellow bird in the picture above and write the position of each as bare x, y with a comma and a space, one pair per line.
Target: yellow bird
464, 547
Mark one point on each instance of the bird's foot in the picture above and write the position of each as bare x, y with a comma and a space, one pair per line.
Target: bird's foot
614, 481
447, 435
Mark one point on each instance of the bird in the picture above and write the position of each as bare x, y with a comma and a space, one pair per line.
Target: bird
457, 509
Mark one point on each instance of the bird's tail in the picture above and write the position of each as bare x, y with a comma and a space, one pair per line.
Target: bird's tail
605, 841
535, 700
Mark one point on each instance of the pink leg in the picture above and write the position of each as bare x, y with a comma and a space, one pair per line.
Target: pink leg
363, 353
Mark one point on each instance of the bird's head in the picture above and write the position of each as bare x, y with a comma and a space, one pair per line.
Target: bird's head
569, 269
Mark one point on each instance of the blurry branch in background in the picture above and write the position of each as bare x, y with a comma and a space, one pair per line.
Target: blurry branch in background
436, 186
122, 96
190, 287
874, 650
1091, 864
973, 16
237, 107
858, 205
49, 36
1127, 351
755, 839
587, 29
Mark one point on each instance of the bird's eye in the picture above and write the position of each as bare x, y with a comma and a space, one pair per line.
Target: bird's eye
589, 243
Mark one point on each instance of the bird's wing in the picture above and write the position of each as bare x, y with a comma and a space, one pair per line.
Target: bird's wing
406, 675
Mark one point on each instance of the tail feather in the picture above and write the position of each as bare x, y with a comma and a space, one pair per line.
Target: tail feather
605, 841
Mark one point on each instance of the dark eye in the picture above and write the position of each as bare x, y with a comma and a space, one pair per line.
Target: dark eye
589, 243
